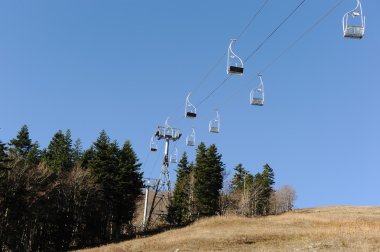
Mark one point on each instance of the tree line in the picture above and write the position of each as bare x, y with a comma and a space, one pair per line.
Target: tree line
63, 197
198, 190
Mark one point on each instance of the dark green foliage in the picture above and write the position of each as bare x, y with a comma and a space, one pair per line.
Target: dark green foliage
181, 201
87, 157
54, 205
77, 151
130, 181
3, 156
208, 180
34, 155
251, 195
241, 177
117, 171
104, 163
58, 155
266, 180
20, 146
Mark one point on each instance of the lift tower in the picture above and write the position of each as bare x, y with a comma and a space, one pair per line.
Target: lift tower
162, 187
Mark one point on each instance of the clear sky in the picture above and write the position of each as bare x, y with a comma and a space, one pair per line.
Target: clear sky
126, 65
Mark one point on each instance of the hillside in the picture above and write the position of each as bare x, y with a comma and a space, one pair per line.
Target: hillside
341, 228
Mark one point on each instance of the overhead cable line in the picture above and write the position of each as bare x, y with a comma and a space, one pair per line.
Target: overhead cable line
156, 160
301, 37
274, 31
268, 66
255, 51
213, 91
250, 22
252, 19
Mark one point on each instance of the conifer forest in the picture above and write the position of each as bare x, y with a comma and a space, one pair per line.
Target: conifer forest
63, 197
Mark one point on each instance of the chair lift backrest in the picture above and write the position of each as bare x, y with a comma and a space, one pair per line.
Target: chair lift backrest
234, 63
173, 156
214, 124
153, 145
350, 30
190, 110
168, 131
190, 139
257, 94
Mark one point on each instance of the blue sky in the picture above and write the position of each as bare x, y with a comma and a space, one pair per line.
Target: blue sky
124, 66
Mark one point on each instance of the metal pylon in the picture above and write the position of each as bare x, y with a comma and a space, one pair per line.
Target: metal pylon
162, 187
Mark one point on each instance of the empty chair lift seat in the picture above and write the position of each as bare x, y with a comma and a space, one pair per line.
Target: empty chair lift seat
190, 142
190, 110
191, 114
257, 101
214, 124
235, 65
190, 139
214, 129
236, 70
354, 22
354, 32
152, 148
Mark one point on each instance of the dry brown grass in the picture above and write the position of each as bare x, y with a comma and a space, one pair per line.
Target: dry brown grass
341, 228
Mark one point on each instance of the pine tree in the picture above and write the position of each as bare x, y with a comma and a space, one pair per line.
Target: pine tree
21, 145
104, 162
241, 187
3, 156
77, 151
208, 180
237, 183
34, 155
130, 183
199, 180
118, 173
58, 155
181, 202
266, 181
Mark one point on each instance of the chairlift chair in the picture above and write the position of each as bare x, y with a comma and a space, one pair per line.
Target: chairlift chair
168, 131
174, 156
354, 23
176, 134
234, 62
190, 110
214, 124
153, 145
190, 139
256, 96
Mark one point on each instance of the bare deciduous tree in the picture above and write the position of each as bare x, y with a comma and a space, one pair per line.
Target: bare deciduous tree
283, 199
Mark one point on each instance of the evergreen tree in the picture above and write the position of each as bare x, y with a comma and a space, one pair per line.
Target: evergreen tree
103, 167
266, 181
58, 155
20, 146
41, 210
208, 176
77, 151
34, 155
87, 156
241, 174
199, 179
130, 183
118, 173
3, 156
104, 162
181, 201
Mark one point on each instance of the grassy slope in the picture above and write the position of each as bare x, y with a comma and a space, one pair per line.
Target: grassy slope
340, 228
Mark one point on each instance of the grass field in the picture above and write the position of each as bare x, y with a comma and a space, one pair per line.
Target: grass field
341, 228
